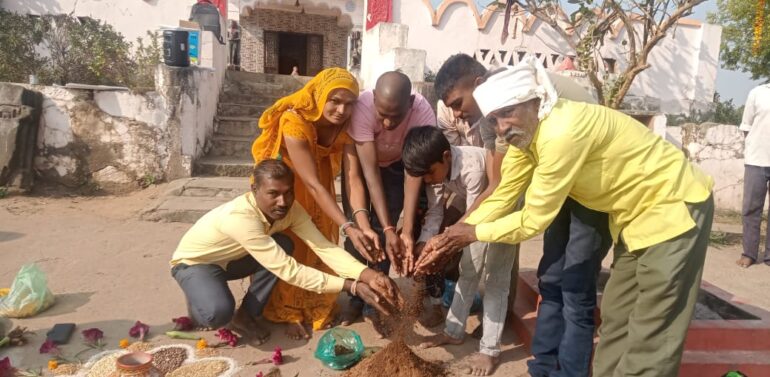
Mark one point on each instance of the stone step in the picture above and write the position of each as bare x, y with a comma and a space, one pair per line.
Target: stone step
187, 199
233, 146
224, 166
287, 80
237, 126
240, 109
246, 98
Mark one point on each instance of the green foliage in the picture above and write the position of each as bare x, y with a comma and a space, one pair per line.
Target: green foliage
737, 20
148, 180
86, 51
18, 37
3, 192
146, 58
78, 49
723, 112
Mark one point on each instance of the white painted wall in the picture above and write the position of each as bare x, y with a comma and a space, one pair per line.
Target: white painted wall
684, 64
718, 150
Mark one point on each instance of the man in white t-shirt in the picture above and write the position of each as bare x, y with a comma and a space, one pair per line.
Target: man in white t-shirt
756, 127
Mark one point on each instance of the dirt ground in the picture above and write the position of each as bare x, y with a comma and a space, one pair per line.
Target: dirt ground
109, 269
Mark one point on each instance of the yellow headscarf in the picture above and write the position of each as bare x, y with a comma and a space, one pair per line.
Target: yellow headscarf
307, 102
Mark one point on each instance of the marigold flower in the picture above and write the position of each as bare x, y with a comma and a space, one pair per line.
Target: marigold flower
183, 323
93, 336
50, 347
202, 344
139, 330
124, 343
53, 364
227, 336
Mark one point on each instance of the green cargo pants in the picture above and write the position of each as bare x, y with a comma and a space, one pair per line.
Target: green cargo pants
649, 300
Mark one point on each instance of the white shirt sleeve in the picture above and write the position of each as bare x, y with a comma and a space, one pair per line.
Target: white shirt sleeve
749, 112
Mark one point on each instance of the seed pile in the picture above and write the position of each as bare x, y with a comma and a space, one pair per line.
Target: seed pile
204, 368
105, 366
397, 360
168, 359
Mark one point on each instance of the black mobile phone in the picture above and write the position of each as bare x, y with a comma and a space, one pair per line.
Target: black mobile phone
61, 333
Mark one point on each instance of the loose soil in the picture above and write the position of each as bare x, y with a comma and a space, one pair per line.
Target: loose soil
396, 360
340, 350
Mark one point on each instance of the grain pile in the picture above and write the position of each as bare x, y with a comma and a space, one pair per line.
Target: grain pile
203, 368
396, 360
169, 359
105, 366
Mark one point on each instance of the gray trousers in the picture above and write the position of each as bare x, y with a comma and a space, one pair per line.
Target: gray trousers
755, 190
209, 300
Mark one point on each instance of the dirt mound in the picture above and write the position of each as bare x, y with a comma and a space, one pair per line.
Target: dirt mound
396, 360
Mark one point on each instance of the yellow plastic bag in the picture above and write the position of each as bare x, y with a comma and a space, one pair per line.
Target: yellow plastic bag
28, 295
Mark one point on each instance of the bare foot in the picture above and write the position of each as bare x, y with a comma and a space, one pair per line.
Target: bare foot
351, 313
439, 340
480, 364
744, 261
253, 332
297, 331
380, 327
432, 316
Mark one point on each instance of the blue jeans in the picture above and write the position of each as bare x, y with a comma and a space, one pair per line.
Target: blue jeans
573, 248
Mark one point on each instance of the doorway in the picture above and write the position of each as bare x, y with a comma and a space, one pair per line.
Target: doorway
283, 51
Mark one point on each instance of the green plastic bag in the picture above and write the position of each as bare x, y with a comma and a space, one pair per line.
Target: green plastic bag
28, 295
339, 339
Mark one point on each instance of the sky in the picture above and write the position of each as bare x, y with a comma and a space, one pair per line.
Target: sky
730, 84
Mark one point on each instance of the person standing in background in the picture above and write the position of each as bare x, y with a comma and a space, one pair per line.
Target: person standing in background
756, 157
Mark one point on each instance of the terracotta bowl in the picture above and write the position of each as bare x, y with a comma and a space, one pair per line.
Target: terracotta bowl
134, 361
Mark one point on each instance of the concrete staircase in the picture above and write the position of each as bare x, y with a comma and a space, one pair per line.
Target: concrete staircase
245, 95
221, 174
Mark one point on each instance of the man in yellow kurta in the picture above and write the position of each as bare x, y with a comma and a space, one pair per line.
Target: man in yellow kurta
233, 241
660, 208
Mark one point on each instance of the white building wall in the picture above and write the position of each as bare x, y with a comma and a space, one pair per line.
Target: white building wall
683, 65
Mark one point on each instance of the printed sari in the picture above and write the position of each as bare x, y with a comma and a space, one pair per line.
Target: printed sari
293, 117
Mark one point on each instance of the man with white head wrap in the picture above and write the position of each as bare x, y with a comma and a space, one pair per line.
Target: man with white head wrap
659, 204
573, 246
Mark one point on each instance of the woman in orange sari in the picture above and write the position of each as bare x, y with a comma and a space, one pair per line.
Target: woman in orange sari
307, 129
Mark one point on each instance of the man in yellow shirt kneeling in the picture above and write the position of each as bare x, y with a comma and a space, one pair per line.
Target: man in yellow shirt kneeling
233, 241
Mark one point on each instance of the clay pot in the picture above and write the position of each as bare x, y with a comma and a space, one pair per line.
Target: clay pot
135, 364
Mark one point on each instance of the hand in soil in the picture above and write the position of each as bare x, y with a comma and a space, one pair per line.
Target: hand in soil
440, 248
381, 328
297, 331
351, 313
480, 364
251, 331
744, 261
439, 340
432, 317
386, 288
373, 298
